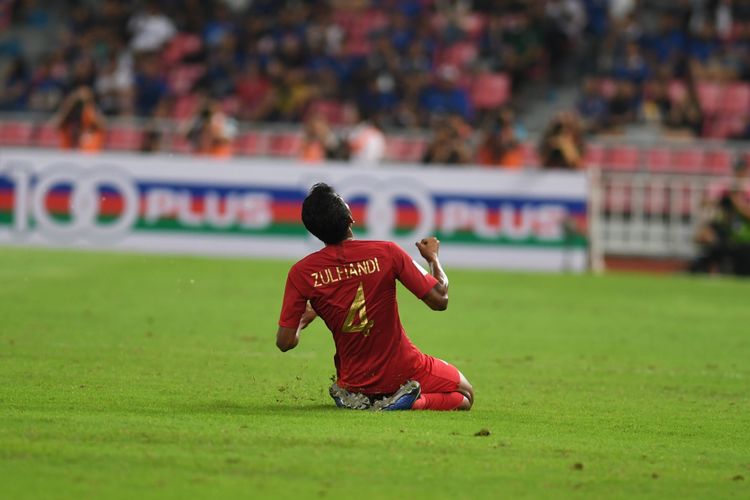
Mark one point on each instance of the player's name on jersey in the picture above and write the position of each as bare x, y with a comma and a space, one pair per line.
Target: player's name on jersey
345, 272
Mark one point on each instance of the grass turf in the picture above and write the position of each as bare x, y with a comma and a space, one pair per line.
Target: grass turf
124, 376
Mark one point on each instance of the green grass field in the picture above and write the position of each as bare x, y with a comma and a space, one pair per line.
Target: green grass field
139, 376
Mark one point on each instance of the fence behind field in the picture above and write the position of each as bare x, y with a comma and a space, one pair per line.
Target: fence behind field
653, 215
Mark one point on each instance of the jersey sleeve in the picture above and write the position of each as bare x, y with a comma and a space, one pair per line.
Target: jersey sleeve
410, 273
294, 303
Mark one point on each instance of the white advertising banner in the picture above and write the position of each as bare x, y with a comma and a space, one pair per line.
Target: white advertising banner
485, 218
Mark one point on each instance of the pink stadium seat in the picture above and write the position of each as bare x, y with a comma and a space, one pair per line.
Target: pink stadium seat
179, 144
250, 144
16, 133
608, 88
709, 96
659, 160
530, 155
182, 78
181, 45
185, 106
474, 25
622, 158
735, 100
286, 144
687, 160
124, 138
231, 105
717, 162
594, 156
459, 54
47, 137
677, 90
333, 111
490, 90
404, 149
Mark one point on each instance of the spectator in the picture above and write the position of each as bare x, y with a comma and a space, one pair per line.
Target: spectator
592, 106
447, 146
79, 122
150, 86
15, 86
114, 86
151, 28
446, 97
501, 147
211, 131
684, 118
366, 142
562, 143
623, 106
152, 140
320, 142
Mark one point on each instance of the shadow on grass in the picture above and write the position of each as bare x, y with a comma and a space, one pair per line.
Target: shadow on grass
220, 407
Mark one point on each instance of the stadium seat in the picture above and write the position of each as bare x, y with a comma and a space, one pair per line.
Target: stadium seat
231, 105
124, 139
659, 160
530, 155
490, 90
735, 100
250, 144
178, 143
594, 156
608, 88
182, 78
677, 90
404, 149
717, 162
16, 133
285, 144
334, 112
47, 137
474, 25
625, 158
181, 46
459, 54
709, 96
687, 160
185, 106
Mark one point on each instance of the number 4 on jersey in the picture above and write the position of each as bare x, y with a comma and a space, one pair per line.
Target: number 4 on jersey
356, 319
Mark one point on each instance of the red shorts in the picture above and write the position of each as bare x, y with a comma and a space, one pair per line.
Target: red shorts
435, 375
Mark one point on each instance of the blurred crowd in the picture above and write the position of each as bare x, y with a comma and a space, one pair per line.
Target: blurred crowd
371, 65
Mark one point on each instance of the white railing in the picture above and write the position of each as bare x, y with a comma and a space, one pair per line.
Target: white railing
650, 215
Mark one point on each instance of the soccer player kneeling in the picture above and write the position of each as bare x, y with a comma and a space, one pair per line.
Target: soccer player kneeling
352, 286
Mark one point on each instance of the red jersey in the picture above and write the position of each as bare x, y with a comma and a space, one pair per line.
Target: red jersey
352, 287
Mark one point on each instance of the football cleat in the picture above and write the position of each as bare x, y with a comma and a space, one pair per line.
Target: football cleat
350, 400
402, 399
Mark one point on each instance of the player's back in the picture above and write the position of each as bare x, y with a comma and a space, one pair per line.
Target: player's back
352, 287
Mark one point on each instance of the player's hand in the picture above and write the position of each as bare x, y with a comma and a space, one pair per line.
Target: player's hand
429, 248
307, 317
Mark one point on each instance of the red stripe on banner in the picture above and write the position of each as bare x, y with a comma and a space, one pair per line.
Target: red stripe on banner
6, 201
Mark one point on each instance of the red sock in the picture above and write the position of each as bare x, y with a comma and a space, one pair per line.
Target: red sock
439, 401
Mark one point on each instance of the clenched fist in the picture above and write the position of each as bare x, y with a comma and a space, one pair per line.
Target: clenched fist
429, 248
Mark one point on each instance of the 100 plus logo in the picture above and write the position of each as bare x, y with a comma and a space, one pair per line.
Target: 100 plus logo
103, 204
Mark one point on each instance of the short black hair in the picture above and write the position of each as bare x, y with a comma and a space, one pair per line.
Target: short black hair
326, 215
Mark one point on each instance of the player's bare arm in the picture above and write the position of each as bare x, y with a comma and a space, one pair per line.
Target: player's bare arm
437, 298
288, 338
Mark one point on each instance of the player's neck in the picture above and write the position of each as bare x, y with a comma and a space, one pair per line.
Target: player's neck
348, 238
